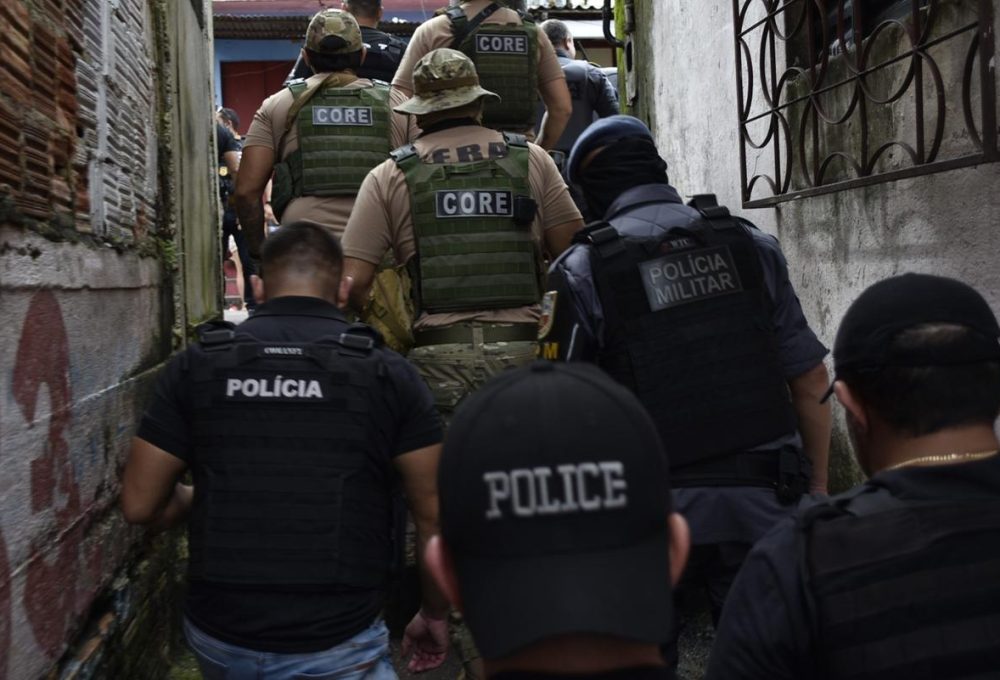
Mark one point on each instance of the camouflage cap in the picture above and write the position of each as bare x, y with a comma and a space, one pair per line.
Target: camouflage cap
332, 31
443, 79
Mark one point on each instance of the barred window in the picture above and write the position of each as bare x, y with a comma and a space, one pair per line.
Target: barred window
838, 94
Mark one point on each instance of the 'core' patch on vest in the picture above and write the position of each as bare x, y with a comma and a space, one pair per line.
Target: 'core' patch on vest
276, 387
688, 277
342, 115
474, 203
492, 43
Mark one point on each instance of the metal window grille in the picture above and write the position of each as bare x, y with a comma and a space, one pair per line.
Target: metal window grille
840, 94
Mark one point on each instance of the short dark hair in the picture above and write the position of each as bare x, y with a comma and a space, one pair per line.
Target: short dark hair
231, 116
328, 63
363, 8
557, 31
302, 247
920, 400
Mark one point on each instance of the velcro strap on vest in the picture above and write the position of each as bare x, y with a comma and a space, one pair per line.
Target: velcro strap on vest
403, 153
709, 207
465, 335
515, 139
462, 26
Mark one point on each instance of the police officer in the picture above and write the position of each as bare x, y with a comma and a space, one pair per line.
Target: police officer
472, 213
591, 91
898, 577
561, 540
693, 310
229, 147
319, 137
295, 426
384, 51
513, 59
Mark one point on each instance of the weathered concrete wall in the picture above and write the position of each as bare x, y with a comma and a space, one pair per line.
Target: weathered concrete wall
87, 309
839, 243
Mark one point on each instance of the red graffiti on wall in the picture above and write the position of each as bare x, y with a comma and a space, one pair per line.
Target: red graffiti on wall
43, 359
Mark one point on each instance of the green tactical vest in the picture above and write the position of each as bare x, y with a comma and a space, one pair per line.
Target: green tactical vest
343, 134
506, 59
472, 224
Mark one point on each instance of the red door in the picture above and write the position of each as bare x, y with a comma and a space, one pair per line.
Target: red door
245, 84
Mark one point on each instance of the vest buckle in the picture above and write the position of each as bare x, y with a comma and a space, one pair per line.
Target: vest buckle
606, 241
356, 341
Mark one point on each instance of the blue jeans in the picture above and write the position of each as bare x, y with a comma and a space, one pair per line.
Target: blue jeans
364, 657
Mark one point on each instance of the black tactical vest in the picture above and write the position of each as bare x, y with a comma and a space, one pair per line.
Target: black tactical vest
904, 589
383, 56
578, 82
688, 329
289, 487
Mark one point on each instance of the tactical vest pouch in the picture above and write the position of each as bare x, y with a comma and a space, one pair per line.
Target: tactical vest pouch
688, 320
474, 251
291, 488
285, 187
343, 134
906, 590
506, 59
390, 305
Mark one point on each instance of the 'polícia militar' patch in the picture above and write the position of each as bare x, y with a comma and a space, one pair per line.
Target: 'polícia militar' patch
689, 276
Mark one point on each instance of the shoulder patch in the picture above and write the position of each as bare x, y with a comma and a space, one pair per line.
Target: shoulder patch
548, 314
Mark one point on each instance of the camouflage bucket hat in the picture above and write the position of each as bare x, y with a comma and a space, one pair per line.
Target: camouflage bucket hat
333, 32
443, 79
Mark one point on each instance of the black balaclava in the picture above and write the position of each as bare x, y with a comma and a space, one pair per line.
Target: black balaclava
623, 164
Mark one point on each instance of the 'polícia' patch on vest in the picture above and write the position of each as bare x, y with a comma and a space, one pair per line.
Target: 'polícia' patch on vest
474, 203
342, 115
690, 276
275, 388
490, 43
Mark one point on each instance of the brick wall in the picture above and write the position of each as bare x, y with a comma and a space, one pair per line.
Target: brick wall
90, 306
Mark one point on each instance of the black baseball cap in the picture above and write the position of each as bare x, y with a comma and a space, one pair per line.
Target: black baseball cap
864, 340
554, 502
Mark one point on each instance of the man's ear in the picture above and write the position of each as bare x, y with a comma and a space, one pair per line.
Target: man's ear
257, 284
855, 409
344, 291
442, 569
680, 545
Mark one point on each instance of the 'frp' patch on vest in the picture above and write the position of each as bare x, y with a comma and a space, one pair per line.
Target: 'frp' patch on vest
688, 277
474, 203
491, 43
342, 115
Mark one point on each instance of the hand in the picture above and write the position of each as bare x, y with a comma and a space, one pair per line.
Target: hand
427, 638
269, 215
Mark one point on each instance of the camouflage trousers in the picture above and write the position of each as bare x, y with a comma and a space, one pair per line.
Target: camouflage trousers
452, 372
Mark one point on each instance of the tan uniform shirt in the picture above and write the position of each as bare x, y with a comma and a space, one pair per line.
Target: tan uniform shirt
436, 32
382, 219
267, 129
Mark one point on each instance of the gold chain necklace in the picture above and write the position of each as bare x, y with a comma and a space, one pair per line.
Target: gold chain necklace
944, 458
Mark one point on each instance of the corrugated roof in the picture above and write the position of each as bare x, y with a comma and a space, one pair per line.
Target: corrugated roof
279, 19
